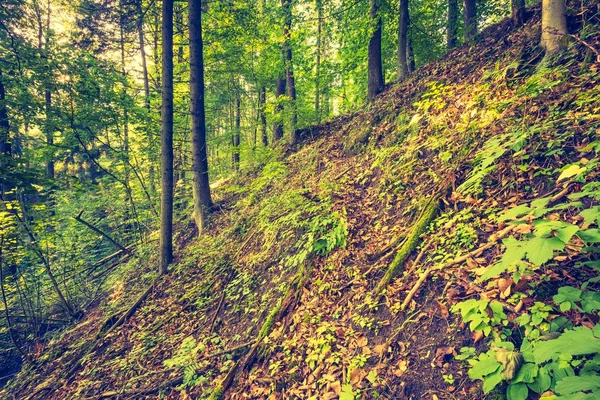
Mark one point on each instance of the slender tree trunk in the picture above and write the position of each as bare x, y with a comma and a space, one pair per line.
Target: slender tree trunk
403, 21
319, 5
262, 100
470, 14
554, 25
286, 6
375, 66
280, 91
236, 133
142, 42
452, 24
166, 197
200, 182
411, 55
5, 146
518, 12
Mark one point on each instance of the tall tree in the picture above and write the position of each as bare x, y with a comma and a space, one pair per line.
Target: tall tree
470, 16
279, 91
235, 136
319, 6
142, 44
200, 185
286, 6
452, 24
554, 25
375, 66
166, 196
518, 12
403, 21
262, 100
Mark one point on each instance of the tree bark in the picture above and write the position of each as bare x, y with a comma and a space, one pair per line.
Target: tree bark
403, 21
280, 91
200, 184
554, 25
142, 42
411, 56
452, 24
375, 67
470, 14
319, 5
235, 156
262, 100
166, 197
518, 12
286, 6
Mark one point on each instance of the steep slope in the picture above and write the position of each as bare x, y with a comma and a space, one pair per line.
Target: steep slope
285, 299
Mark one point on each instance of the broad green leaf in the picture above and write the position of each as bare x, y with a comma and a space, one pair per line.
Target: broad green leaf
483, 367
492, 380
589, 235
575, 342
542, 381
591, 215
570, 171
515, 212
526, 373
517, 391
574, 384
540, 250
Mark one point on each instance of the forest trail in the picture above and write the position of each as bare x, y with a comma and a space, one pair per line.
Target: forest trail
298, 249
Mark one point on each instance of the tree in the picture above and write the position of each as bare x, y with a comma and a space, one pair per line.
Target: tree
554, 25
200, 186
470, 15
375, 67
403, 21
518, 12
280, 91
319, 6
452, 24
286, 6
166, 196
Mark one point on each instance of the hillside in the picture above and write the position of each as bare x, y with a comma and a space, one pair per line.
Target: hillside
476, 180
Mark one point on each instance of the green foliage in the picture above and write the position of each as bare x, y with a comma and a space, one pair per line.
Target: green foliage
185, 359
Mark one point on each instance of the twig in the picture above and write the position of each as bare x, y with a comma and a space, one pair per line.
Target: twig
98, 231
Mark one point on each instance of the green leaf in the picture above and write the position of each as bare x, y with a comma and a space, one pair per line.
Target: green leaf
517, 391
526, 374
591, 215
542, 381
483, 367
589, 235
574, 342
540, 250
515, 212
492, 380
571, 170
574, 384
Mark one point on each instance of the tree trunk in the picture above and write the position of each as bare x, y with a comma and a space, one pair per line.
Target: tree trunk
470, 10
140, 28
518, 12
319, 5
166, 197
262, 100
554, 25
200, 184
375, 67
5, 146
452, 24
286, 5
411, 56
278, 124
235, 157
403, 21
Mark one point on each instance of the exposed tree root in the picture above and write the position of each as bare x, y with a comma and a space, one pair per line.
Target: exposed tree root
410, 243
277, 313
491, 243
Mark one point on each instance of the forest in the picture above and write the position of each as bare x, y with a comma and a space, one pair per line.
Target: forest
300, 199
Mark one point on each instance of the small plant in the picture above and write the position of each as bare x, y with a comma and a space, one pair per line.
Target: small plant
185, 359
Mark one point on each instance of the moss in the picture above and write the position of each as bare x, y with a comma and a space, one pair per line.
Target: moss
266, 327
410, 243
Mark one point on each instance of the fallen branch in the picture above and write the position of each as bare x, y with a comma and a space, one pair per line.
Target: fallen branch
107, 327
411, 242
491, 243
98, 231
